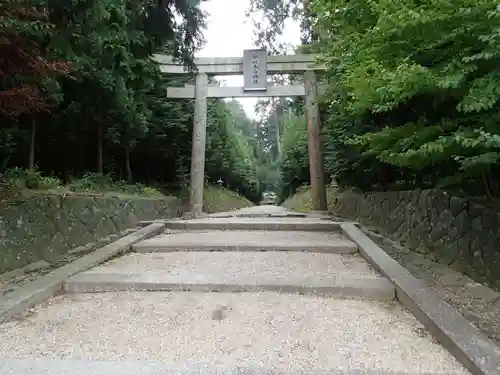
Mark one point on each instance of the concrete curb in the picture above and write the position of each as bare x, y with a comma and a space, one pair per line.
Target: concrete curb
103, 241
464, 341
145, 223
371, 288
318, 214
47, 286
274, 216
31, 267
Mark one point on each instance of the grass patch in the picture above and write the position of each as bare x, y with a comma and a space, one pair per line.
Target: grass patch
217, 199
302, 200
97, 183
18, 181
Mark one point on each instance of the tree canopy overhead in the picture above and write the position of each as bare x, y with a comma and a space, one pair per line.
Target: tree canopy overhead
412, 97
80, 92
411, 102
24, 32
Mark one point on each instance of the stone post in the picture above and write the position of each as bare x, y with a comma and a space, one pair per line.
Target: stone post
199, 145
316, 169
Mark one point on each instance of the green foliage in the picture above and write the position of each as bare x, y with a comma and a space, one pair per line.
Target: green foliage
92, 182
113, 103
111, 115
412, 97
230, 153
19, 178
271, 129
421, 80
24, 65
301, 201
217, 199
98, 183
293, 160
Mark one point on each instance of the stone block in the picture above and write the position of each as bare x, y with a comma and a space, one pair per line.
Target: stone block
451, 227
442, 202
74, 229
490, 220
369, 288
416, 196
457, 205
461, 221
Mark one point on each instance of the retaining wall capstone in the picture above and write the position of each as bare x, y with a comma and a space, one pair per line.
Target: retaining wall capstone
451, 230
47, 226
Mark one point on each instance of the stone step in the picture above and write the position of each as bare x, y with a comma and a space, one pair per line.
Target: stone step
332, 286
187, 333
258, 210
318, 242
256, 223
288, 272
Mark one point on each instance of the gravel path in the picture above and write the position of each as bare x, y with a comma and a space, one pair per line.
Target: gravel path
277, 331
477, 303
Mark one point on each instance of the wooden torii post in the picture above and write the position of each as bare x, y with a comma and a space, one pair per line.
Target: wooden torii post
255, 66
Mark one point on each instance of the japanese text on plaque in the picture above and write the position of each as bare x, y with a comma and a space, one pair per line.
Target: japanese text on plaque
255, 68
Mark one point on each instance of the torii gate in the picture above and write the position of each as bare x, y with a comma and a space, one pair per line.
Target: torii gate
255, 66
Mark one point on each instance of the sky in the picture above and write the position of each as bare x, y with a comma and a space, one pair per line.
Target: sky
229, 32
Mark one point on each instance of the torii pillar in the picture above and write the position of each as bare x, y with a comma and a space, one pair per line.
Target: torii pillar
315, 145
198, 147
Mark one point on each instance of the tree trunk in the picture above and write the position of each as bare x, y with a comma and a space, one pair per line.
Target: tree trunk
100, 166
31, 160
128, 169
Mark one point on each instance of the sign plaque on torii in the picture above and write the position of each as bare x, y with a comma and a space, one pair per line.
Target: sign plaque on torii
255, 65
254, 70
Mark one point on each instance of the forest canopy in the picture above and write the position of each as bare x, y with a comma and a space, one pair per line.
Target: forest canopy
80, 95
413, 92
411, 100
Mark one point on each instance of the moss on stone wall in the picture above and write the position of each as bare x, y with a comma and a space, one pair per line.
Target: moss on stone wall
47, 226
38, 226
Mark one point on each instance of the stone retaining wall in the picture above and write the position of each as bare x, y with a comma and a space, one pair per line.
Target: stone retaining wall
47, 226
449, 229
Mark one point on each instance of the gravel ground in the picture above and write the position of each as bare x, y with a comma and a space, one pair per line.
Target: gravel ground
269, 263
277, 331
479, 304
